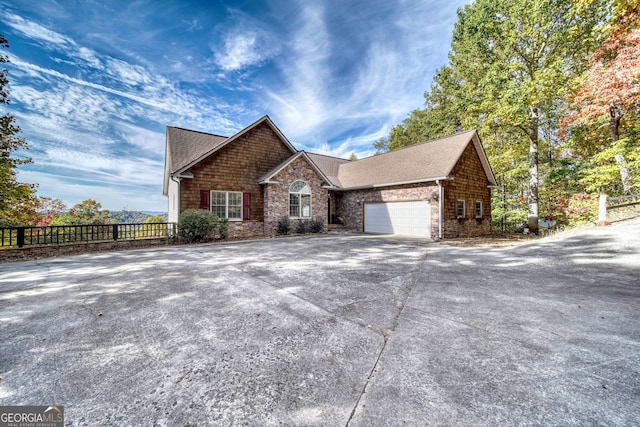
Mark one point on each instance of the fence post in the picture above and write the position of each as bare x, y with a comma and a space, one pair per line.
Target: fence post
115, 232
602, 209
20, 237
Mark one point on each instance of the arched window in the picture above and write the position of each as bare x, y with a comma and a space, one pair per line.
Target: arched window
299, 200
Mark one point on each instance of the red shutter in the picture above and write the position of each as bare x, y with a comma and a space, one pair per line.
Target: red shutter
204, 200
246, 206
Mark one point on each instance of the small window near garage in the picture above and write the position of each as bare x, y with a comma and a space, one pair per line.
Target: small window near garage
478, 209
227, 204
460, 209
300, 200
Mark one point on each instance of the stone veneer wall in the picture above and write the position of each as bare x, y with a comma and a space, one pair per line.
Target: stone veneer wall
276, 204
469, 184
350, 204
240, 230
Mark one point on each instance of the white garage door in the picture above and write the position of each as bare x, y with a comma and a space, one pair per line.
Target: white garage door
412, 218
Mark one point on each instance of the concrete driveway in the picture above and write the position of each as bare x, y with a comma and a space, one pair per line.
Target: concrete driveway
330, 331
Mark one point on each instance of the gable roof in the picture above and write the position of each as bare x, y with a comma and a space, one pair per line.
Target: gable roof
268, 178
213, 144
330, 166
424, 162
185, 145
186, 148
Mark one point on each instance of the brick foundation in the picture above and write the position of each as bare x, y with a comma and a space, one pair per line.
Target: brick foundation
350, 205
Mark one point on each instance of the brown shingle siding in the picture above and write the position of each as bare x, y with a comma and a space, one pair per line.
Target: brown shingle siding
237, 167
469, 184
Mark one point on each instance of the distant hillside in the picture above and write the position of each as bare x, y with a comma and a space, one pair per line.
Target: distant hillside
132, 217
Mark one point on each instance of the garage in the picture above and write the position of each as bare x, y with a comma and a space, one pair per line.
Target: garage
410, 218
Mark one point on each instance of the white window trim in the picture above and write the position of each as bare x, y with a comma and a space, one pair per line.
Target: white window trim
300, 206
464, 209
226, 203
475, 209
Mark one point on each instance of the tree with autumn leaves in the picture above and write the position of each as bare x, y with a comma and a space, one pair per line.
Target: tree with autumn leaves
603, 124
18, 204
530, 76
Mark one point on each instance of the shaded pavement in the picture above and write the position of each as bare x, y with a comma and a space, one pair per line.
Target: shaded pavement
330, 330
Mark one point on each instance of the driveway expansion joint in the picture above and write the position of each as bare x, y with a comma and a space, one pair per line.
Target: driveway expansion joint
387, 334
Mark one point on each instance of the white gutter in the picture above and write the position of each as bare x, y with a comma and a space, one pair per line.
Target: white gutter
392, 184
177, 181
177, 178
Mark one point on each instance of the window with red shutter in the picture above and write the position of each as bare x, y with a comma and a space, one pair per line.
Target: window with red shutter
246, 206
204, 200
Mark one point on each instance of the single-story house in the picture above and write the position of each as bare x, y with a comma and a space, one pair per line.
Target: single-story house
437, 189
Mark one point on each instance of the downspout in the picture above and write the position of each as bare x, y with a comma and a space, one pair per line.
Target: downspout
177, 180
440, 207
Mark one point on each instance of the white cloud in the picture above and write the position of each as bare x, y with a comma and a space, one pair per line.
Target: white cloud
90, 58
239, 51
303, 104
149, 141
90, 103
245, 44
393, 60
35, 31
128, 73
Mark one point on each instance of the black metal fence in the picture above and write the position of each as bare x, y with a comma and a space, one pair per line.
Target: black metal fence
18, 237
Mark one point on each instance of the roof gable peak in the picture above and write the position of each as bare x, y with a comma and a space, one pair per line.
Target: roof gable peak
197, 131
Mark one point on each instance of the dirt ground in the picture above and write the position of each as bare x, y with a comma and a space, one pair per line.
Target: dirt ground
505, 239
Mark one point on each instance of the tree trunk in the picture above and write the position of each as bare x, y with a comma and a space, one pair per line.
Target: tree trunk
532, 219
615, 116
624, 172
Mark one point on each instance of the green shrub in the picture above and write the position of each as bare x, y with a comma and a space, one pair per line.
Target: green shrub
302, 227
284, 226
316, 226
223, 227
197, 224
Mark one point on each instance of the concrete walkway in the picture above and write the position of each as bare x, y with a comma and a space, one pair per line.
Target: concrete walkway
330, 331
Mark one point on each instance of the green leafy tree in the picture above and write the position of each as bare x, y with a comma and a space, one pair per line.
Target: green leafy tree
516, 59
86, 212
17, 200
155, 219
154, 226
511, 64
443, 114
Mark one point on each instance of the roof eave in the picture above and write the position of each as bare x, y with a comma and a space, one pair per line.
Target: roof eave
183, 174
393, 184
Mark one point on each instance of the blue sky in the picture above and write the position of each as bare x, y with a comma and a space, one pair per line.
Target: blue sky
93, 84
